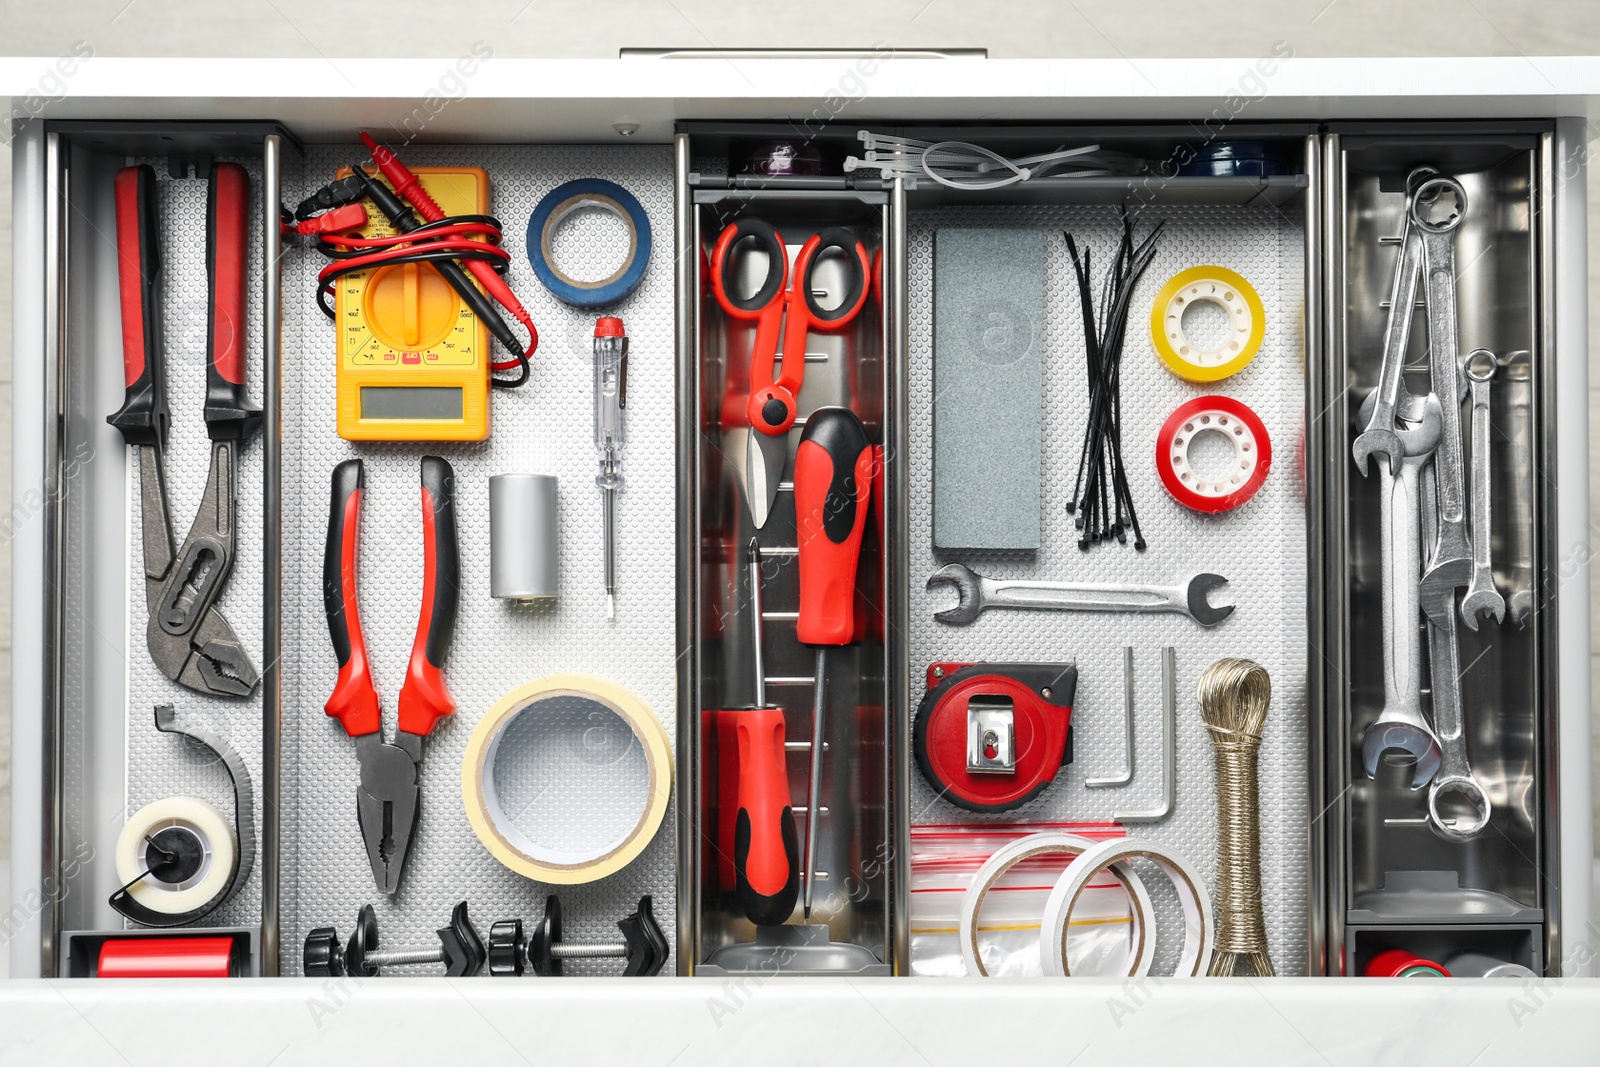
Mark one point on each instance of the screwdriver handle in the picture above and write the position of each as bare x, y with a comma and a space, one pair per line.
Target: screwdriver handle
425, 698
834, 469
355, 699
766, 848
142, 419
230, 416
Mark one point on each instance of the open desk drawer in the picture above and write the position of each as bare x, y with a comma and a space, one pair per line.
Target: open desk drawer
1299, 558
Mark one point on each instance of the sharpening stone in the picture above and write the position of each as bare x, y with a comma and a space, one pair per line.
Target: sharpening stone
988, 318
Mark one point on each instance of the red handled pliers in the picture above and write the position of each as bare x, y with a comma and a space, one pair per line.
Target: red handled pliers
188, 637
390, 794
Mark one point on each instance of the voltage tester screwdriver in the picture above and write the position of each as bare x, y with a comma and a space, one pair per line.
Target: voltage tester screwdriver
610, 410
833, 471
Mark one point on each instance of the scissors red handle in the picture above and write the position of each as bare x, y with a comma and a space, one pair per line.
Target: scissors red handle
772, 400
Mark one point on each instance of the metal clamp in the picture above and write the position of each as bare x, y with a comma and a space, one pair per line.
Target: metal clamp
991, 735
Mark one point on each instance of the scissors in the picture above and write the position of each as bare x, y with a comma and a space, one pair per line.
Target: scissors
777, 305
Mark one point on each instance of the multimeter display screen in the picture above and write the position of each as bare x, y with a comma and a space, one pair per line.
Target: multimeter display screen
436, 403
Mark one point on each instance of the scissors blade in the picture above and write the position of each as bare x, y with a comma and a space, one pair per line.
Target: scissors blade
765, 457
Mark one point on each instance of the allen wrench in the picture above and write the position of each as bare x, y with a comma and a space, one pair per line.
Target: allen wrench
1169, 745
1124, 776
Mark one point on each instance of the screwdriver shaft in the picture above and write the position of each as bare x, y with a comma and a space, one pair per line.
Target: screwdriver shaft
608, 545
819, 706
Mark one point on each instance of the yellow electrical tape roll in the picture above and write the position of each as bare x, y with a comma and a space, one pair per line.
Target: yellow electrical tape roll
1247, 323
568, 862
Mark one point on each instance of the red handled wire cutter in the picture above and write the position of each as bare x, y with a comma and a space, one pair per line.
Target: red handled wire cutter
390, 794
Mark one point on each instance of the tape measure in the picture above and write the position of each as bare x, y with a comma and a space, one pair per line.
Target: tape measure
413, 358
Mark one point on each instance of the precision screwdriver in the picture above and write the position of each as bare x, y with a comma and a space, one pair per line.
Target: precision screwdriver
610, 411
833, 473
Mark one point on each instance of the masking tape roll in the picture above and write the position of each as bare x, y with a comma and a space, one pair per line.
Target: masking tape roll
1198, 926
566, 864
1141, 950
1247, 323
219, 854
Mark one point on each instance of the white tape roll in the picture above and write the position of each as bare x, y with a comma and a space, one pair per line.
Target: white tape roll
219, 854
1192, 894
1141, 940
566, 779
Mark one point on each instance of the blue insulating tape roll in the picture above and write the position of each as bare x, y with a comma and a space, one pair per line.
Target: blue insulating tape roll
561, 202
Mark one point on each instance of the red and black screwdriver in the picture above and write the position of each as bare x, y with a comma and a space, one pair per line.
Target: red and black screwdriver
765, 847
833, 474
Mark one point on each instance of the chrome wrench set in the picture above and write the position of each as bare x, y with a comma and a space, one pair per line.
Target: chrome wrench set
1435, 515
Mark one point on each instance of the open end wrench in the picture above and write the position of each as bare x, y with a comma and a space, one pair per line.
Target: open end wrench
1482, 597
1450, 562
976, 593
1455, 776
1378, 432
1401, 725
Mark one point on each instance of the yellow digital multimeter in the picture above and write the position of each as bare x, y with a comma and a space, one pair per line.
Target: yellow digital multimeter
413, 358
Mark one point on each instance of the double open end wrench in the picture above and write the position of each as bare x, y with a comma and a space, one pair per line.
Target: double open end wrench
1450, 561
1444, 663
1378, 433
1482, 597
1401, 724
977, 593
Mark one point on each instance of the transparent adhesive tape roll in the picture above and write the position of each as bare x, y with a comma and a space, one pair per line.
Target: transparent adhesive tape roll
1192, 895
216, 854
1141, 942
566, 779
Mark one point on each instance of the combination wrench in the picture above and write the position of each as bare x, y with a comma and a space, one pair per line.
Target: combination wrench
1401, 725
1378, 432
1444, 663
1450, 562
1482, 597
977, 593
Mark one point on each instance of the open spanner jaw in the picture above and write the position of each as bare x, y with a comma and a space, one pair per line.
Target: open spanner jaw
1198, 590
969, 595
1451, 570
1376, 440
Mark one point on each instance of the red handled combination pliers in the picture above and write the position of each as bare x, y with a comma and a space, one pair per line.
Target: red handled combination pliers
390, 793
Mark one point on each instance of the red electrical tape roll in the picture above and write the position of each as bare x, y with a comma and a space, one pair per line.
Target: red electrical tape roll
1398, 963
1252, 454
166, 957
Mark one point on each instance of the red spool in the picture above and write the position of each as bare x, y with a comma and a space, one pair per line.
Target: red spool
1252, 454
166, 957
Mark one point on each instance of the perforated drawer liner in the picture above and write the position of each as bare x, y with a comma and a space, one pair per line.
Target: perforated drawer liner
545, 427
1260, 548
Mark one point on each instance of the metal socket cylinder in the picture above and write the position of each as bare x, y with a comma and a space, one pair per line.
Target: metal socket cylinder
524, 552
